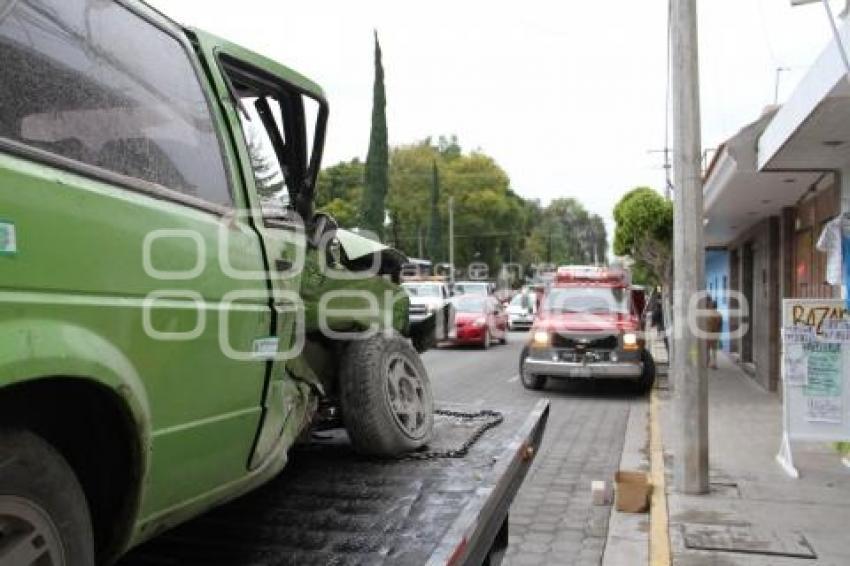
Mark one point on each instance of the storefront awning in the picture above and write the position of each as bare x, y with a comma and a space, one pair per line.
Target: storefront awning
812, 130
737, 195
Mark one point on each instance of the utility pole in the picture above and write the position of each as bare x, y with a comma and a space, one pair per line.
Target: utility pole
688, 369
451, 240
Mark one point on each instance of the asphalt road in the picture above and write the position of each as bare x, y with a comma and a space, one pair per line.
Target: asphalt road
553, 520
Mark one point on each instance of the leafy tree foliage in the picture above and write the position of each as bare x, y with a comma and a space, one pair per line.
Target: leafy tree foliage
493, 224
568, 234
377, 160
267, 173
435, 227
645, 233
339, 190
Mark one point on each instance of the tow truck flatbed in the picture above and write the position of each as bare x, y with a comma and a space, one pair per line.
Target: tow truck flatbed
332, 507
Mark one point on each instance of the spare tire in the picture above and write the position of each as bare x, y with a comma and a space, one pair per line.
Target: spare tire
44, 517
385, 396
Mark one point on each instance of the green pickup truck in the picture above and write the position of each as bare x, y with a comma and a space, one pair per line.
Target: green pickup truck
174, 315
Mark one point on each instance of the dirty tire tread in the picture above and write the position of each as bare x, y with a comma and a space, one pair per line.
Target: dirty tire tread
535, 382
33, 470
366, 413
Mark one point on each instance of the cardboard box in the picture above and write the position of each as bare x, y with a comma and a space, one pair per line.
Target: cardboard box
633, 490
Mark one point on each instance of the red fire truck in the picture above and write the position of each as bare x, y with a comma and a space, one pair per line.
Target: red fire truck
588, 328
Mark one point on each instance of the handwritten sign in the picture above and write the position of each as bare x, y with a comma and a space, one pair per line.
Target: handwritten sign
815, 315
796, 364
836, 331
824, 370
815, 366
799, 334
824, 410
823, 388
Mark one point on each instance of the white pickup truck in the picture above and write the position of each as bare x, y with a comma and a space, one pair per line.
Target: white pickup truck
431, 298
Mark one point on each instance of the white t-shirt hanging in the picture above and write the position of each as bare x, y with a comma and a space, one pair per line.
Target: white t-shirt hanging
830, 243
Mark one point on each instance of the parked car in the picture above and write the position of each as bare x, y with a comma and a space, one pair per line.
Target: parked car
588, 328
522, 311
478, 320
431, 299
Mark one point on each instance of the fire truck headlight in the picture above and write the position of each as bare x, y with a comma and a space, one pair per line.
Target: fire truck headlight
540, 338
630, 341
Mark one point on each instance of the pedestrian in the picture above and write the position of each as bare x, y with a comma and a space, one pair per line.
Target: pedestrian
656, 315
713, 327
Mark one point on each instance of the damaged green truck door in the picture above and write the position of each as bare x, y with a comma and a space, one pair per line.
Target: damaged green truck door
140, 367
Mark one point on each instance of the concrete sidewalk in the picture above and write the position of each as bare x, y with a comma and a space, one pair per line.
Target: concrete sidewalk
751, 497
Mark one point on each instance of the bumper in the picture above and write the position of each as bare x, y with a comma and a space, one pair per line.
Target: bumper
604, 370
467, 335
519, 322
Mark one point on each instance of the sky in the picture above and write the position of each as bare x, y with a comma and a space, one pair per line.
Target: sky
567, 96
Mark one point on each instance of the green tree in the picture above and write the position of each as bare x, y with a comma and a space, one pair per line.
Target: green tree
267, 173
645, 233
339, 189
435, 227
493, 224
373, 209
490, 219
566, 233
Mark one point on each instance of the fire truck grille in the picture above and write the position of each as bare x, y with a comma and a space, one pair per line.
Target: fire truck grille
574, 342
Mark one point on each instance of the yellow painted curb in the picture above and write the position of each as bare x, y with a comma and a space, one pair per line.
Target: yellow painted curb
659, 533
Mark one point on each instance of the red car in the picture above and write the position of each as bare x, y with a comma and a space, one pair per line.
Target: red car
478, 320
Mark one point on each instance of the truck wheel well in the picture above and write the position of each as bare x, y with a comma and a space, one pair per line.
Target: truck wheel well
91, 427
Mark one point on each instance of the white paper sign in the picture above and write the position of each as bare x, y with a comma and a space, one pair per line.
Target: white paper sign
824, 410
799, 335
796, 364
836, 331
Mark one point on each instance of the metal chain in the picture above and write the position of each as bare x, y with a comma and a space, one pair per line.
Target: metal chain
494, 419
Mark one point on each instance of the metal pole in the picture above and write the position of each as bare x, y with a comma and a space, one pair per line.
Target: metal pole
837, 35
688, 369
779, 71
451, 240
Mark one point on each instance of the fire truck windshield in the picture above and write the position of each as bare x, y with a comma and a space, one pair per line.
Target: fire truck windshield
597, 300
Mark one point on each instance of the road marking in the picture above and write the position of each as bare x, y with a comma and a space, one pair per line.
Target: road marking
659, 530
513, 379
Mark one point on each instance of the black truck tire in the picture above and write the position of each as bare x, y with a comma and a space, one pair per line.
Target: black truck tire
44, 517
647, 378
529, 381
386, 398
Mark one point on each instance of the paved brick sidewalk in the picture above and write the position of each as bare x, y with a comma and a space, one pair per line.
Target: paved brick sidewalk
553, 520
750, 490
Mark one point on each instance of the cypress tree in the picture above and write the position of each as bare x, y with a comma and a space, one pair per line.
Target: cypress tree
377, 160
435, 230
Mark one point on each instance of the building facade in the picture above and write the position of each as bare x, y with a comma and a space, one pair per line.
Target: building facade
769, 193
